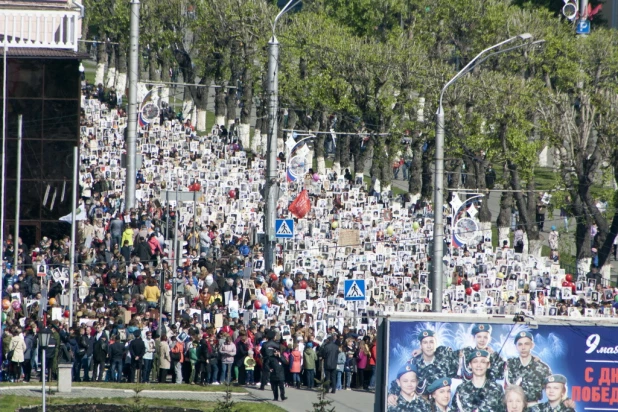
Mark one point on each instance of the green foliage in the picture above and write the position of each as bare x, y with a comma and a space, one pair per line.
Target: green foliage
323, 404
226, 404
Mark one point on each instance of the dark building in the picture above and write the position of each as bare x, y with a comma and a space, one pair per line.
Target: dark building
43, 84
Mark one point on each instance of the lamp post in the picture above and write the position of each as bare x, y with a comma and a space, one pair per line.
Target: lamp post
438, 226
270, 191
44, 336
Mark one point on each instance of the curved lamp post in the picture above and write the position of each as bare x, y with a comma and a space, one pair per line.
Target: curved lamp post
438, 226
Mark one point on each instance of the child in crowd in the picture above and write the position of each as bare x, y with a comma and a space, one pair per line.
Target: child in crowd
249, 368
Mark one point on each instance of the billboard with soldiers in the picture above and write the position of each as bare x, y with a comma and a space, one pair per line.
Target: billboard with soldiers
484, 364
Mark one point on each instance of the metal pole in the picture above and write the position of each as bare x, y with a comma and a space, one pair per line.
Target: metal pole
43, 378
167, 234
73, 231
176, 251
3, 183
17, 191
271, 156
195, 212
438, 227
132, 107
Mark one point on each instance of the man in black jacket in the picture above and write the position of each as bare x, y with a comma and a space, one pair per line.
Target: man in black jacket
99, 356
242, 350
137, 349
116, 355
270, 335
276, 365
330, 353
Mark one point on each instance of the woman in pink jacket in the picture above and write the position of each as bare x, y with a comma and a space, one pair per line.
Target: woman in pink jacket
296, 363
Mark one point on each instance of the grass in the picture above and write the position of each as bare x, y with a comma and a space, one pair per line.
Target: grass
10, 403
144, 387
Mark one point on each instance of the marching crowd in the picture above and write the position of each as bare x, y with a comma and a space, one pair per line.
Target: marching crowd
206, 310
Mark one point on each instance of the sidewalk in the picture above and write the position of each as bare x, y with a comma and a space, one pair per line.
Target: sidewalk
301, 400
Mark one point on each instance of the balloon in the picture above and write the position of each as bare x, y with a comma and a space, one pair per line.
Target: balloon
500, 275
616, 298
468, 291
566, 284
532, 285
303, 284
66, 313
6, 304
263, 299
573, 287
335, 224
476, 287
569, 277
52, 301
168, 286
257, 304
426, 300
415, 226
273, 276
288, 283
316, 177
449, 281
390, 230
232, 193
209, 280
16, 305
459, 280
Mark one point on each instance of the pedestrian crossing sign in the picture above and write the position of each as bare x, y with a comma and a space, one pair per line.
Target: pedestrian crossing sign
284, 228
354, 290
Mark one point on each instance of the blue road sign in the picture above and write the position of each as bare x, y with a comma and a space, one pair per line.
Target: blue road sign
583, 26
284, 228
354, 290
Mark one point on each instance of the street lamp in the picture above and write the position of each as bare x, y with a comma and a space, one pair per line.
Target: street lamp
44, 337
270, 191
438, 226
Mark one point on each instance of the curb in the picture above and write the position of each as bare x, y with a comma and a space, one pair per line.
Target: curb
93, 388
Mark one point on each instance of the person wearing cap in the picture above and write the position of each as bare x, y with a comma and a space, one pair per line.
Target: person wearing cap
527, 370
482, 338
480, 393
137, 349
556, 391
408, 399
265, 352
433, 361
440, 394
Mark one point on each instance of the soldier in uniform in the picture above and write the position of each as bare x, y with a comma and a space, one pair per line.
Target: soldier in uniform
480, 393
555, 389
408, 400
482, 338
440, 395
526, 370
433, 361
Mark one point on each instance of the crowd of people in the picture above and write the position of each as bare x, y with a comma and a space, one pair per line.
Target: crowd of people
207, 310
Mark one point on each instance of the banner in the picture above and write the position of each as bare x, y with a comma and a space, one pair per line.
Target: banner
565, 364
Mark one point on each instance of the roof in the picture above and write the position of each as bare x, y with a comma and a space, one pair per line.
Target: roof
31, 53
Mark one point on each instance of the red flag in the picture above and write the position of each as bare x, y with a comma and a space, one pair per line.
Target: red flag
301, 205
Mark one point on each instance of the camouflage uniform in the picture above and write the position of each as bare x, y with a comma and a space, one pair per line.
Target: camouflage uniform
531, 378
445, 364
545, 407
416, 405
488, 398
496, 370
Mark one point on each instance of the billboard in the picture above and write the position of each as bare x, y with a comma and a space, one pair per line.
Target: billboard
480, 363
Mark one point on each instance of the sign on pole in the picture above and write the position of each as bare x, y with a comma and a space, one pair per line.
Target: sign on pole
284, 228
583, 26
354, 290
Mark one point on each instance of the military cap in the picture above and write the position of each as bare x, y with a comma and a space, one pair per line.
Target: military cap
407, 367
521, 335
477, 354
438, 384
425, 334
555, 379
481, 327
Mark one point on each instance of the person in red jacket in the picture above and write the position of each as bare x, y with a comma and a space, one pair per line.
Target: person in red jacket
296, 362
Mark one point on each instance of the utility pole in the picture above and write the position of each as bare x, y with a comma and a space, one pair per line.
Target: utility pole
18, 193
438, 226
131, 141
73, 232
271, 188
271, 159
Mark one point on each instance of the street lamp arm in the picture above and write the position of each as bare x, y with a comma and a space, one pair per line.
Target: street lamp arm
473, 61
284, 10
